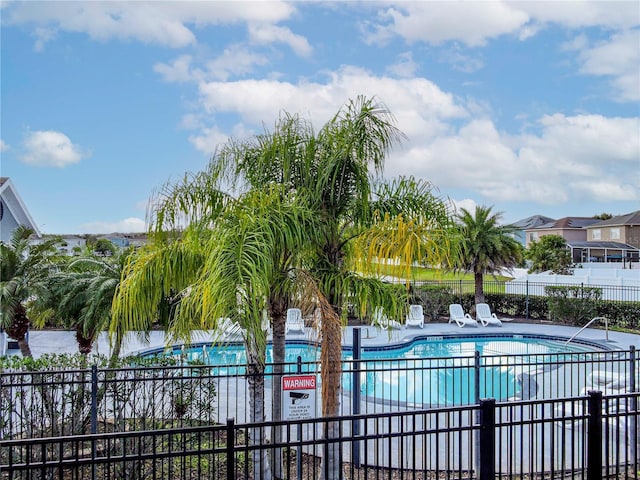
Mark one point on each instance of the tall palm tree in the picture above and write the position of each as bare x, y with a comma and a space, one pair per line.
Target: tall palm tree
225, 270
486, 246
24, 269
335, 169
330, 175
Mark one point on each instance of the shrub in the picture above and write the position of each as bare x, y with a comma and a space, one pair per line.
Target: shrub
574, 304
435, 299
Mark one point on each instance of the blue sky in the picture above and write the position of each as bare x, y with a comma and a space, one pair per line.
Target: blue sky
532, 107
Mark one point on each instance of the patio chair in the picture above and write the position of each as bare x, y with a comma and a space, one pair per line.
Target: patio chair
228, 330
383, 322
485, 317
456, 314
295, 322
266, 323
415, 317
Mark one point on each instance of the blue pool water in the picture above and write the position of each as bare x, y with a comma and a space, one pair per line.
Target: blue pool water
425, 371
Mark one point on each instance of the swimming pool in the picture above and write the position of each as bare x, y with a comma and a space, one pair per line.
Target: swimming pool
425, 370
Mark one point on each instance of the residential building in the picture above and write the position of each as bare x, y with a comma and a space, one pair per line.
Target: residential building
572, 229
616, 239
13, 211
521, 226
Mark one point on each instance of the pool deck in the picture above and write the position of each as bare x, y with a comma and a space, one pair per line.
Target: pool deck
57, 341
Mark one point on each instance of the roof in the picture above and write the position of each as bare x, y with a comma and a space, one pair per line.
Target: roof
629, 219
14, 203
569, 222
596, 244
532, 222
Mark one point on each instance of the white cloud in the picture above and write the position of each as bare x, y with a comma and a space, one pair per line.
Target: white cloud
583, 157
405, 67
612, 14
461, 62
418, 104
177, 71
161, 23
467, 203
3, 146
128, 225
235, 60
472, 23
475, 23
618, 58
265, 33
209, 139
51, 149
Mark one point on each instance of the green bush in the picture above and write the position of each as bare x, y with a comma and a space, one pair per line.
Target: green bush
574, 304
435, 300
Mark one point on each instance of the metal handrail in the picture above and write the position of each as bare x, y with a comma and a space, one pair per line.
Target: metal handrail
606, 329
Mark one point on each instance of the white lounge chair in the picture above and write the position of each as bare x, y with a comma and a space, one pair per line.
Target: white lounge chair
415, 317
383, 322
485, 317
295, 322
456, 314
228, 330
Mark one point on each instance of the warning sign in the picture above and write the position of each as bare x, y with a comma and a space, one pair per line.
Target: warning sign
298, 397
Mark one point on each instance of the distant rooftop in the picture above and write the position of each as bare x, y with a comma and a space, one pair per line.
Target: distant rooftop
570, 222
532, 222
629, 219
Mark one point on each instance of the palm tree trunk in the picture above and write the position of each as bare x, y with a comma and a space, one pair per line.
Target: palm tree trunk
18, 329
479, 287
255, 378
278, 314
331, 365
25, 349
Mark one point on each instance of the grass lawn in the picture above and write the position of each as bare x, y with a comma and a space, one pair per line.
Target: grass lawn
420, 274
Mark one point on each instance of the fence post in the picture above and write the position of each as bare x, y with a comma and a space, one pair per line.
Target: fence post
633, 404
231, 441
299, 431
594, 436
355, 424
94, 399
526, 299
476, 400
487, 452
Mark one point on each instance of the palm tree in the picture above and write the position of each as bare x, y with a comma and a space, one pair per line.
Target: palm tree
79, 297
224, 270
331, 170
24, 269
327, 175
486, 246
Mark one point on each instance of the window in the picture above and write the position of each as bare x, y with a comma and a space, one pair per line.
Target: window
533, 236
596, 234
614, 233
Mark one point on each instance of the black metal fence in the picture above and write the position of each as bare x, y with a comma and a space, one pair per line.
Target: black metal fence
586, 437
94, 400
460, 288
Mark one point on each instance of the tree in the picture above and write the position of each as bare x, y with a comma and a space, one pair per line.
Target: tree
24, 269
79, 296
105, 247
332, 171
550, 253
228, 272
486, 246
326, 174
